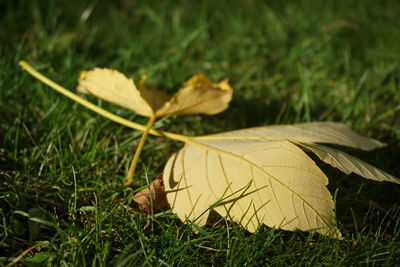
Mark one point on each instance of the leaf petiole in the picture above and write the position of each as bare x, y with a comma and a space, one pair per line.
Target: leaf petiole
25, 65
129, 178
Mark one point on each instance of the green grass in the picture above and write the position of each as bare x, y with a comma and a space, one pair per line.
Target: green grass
294, 62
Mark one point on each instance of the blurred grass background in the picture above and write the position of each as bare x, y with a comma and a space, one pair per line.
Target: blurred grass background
290, 62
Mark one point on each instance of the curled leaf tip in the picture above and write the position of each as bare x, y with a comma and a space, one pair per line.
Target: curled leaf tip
82, 75
224, 85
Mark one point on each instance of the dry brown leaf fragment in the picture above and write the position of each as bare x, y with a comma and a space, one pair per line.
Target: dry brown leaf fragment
151, 198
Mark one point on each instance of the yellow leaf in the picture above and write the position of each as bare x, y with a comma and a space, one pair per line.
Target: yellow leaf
198, 95
262, 176
113, 86
314, 132
252, 182
348, 164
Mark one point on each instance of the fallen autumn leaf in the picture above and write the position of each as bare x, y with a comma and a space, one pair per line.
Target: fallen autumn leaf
252, 176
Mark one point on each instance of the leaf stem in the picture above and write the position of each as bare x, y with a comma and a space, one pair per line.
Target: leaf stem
25, 65
129, 178
26, 251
